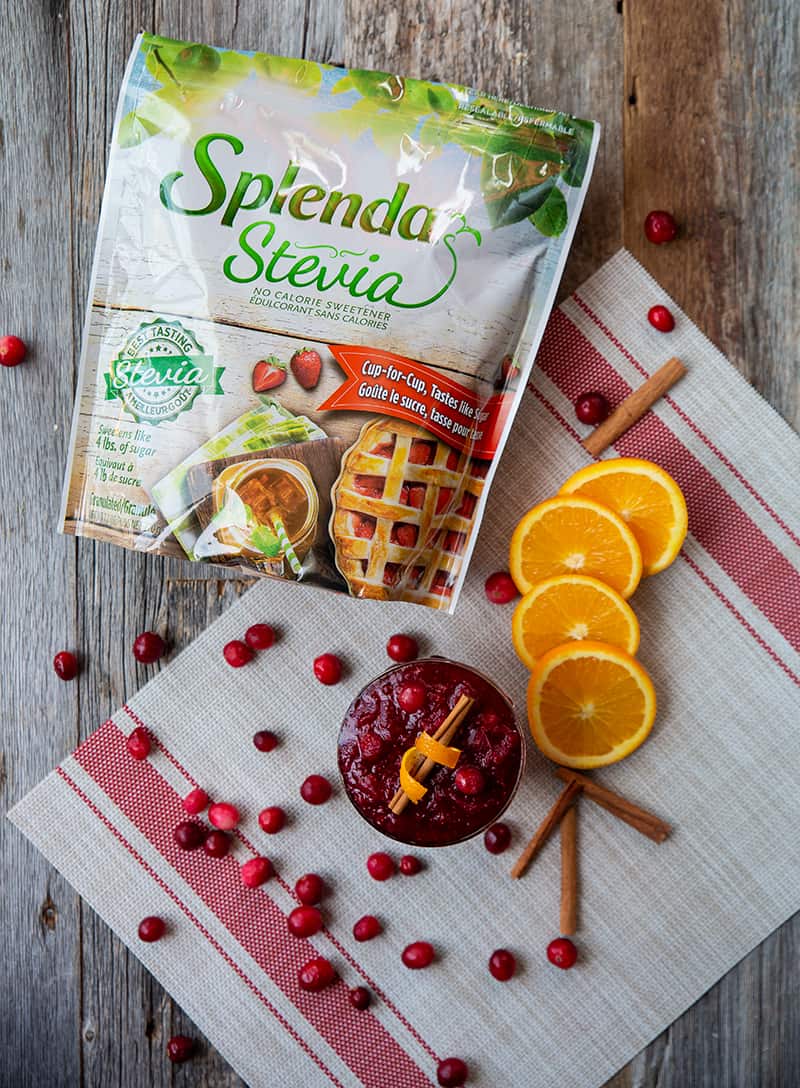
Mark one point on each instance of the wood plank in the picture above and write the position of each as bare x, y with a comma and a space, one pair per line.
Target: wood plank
562, 55
711, 135
40, 1010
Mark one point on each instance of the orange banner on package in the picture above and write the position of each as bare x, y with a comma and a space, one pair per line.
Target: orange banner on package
391, 385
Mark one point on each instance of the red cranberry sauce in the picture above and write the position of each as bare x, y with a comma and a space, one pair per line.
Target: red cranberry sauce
489, 740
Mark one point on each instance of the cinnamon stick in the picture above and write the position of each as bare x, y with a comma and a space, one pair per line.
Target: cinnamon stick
445, 733
569, 872
632, 409
639, 818
566, 799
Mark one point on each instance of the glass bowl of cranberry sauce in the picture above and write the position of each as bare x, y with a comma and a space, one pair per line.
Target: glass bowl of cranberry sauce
385, 719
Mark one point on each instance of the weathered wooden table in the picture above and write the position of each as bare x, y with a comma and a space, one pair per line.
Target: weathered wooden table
698, 103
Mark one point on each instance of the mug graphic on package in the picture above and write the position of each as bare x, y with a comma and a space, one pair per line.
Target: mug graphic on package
316, 298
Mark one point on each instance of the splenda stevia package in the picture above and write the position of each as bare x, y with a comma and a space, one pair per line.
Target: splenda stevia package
315, 302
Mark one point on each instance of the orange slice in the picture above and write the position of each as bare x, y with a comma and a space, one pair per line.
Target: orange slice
573, 535
571, 606
645, 497
589, 704
408, 765
434, 749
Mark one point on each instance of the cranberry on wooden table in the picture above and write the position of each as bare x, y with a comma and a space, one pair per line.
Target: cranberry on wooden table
328, 669
496, 838
195, 801
316, 974
256, 872
217, 844
224, 815
502, 965
499, 587
592, 408
260, 636
402, 648
237, 653
380, 866
316, 789
148, 647
562, 953
309, 889
452, 1073
12, 350
189, 835
360, 997
272, 819
151, 929
139, 743
65, 665
265, 740
660, 227
409, 865
304, 921
417, 955
180, 1048
661, 318
367, 928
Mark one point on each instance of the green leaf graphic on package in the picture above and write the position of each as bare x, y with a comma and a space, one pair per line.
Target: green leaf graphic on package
522, 151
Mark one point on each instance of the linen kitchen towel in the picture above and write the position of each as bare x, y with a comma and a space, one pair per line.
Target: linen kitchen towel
658, 924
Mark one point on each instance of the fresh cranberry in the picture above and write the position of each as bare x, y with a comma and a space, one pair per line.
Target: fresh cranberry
411, 697
418, 955
217, 844
661, 318
367, 927
12, 350
180, 1048
272, 819
148, 647
360, 997
309, 889
380, 866
264, 740
224, 816
592, 408
304, 921
660, 227
502, 965
260, 636
500, 588
370, 745
470, 780
237, 653
328, 669
66, 665
189, 835
562, 953
256, 872
402, 648
138, 743
316, 789
497, 838
195, 802
452, 1073
409, 865
316, 974
151, 928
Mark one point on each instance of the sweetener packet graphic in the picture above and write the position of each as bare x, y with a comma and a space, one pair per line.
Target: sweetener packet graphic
316, 298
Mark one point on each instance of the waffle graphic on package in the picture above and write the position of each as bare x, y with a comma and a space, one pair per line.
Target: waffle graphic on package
403, 509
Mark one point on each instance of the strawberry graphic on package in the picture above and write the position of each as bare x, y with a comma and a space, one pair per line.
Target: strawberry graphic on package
306, 366
268, 374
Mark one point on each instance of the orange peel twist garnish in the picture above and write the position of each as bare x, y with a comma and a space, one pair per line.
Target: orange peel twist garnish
415, 790
435, 750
